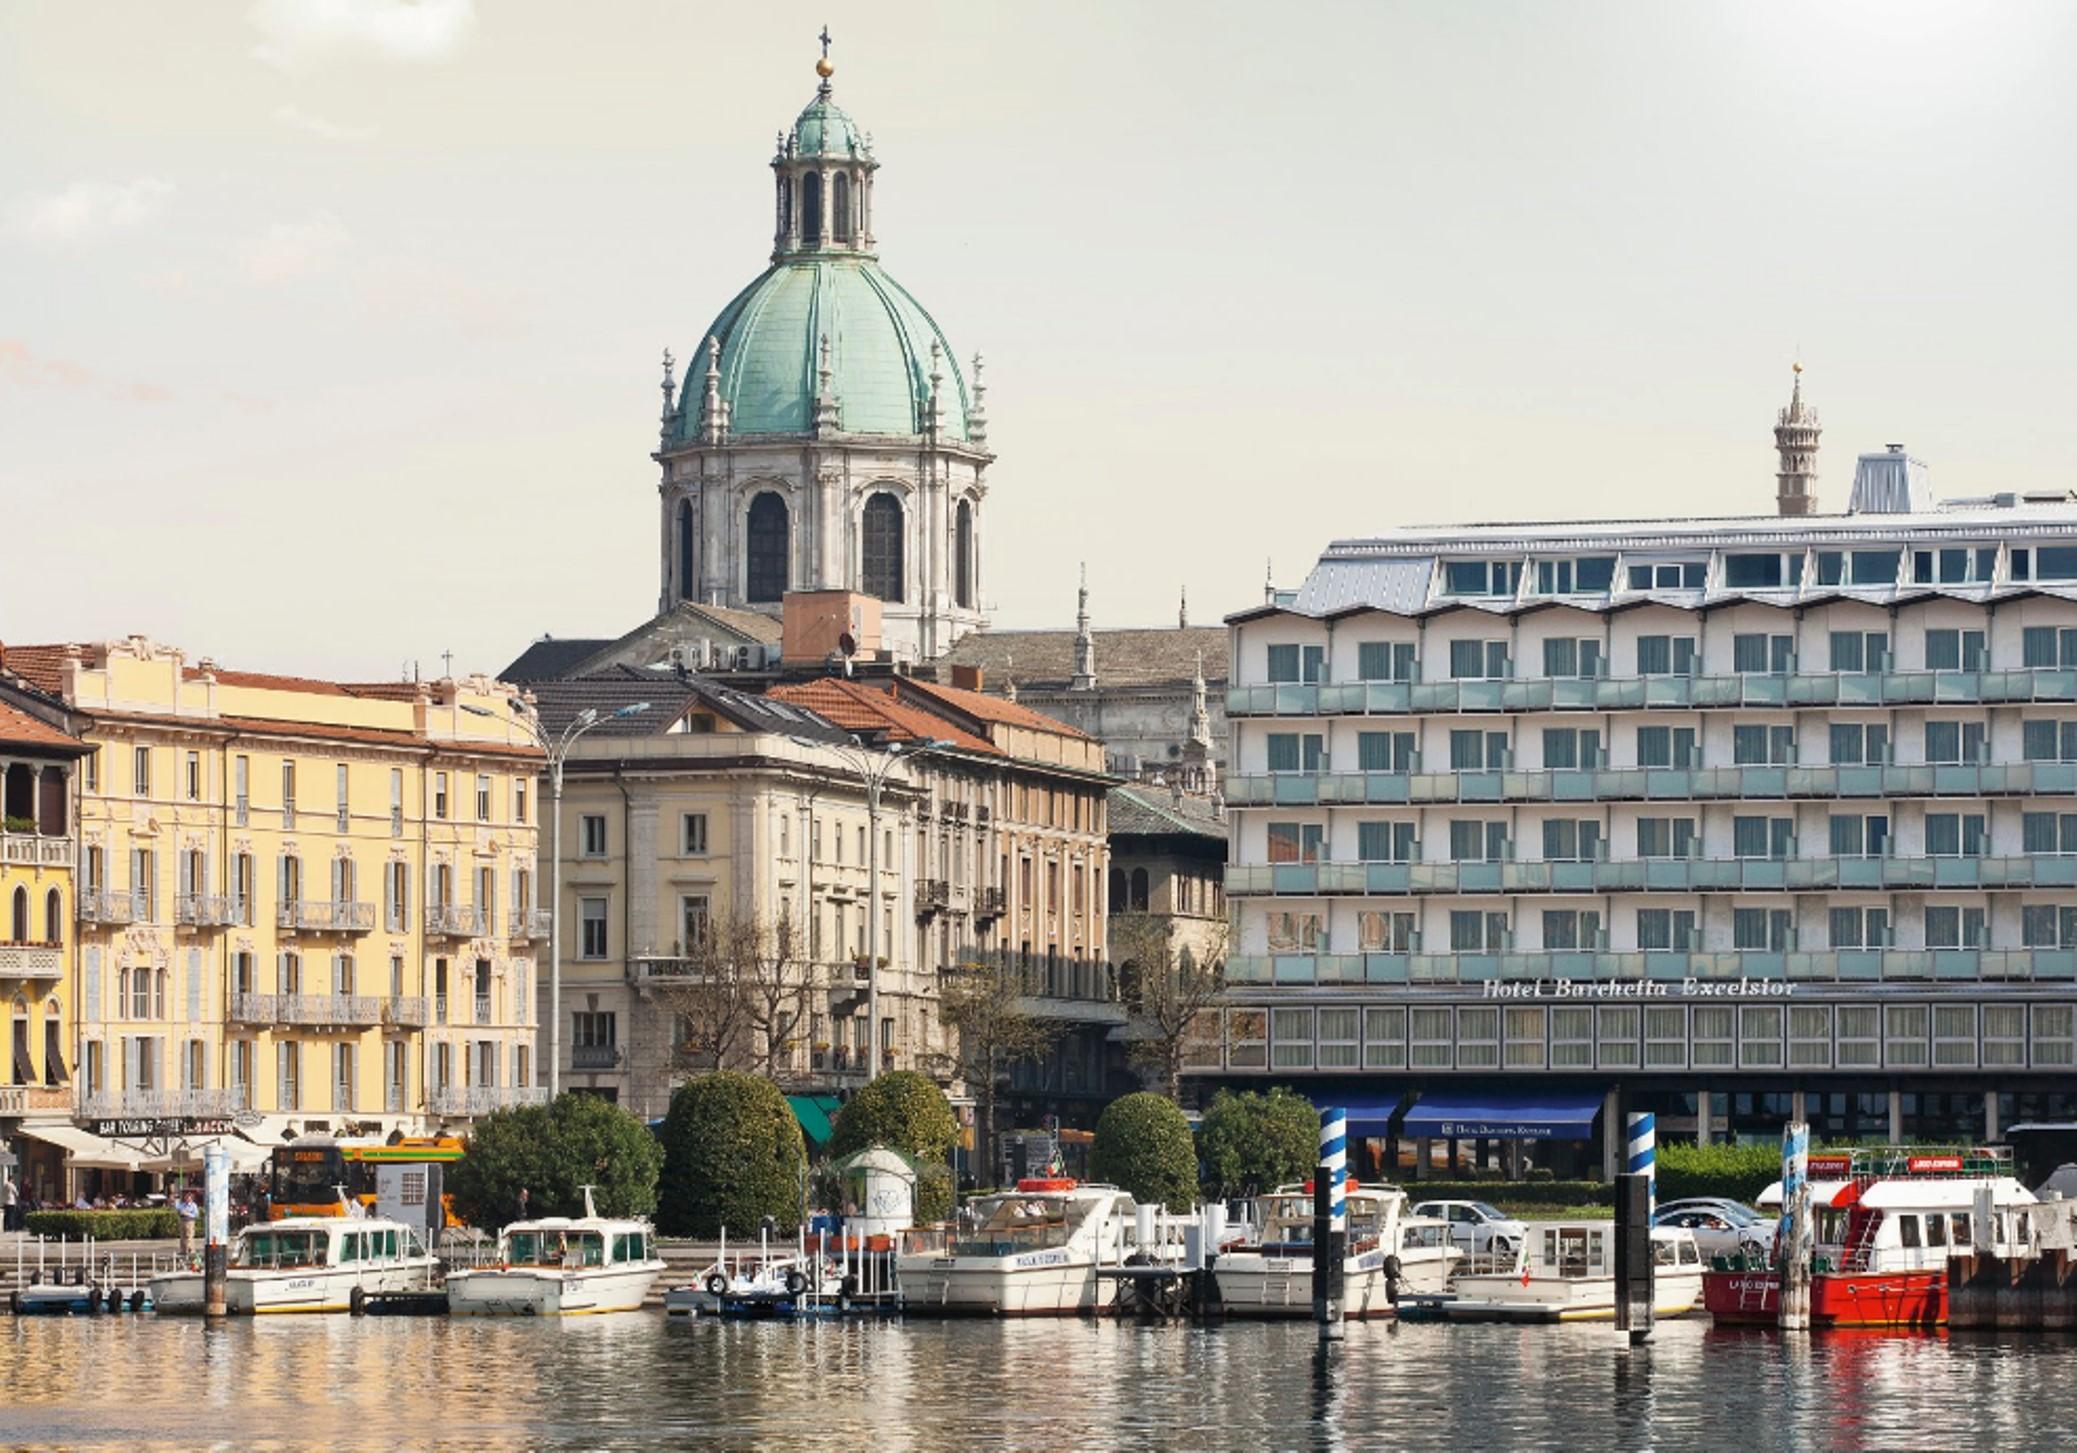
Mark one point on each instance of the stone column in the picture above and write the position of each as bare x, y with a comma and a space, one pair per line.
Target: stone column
1702, 1105
1990, 1113
1896, 1117
1611, 1136
1796, 1106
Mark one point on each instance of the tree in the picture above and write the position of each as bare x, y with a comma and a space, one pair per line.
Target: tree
746, 990
1171, 972
905, 1111
732, 1155
1143, 1145
554, 1151
980, 1000
1254, 1142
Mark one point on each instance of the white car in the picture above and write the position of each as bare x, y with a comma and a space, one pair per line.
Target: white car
1721, 1228
1477, 1227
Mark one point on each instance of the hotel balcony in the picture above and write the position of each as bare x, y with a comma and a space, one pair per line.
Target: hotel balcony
207, 910
594, 1056
664, 969
163, 1104
525, 924
989, 903
933, 895
1634, 971
325, 1011
107, 907
43, 961
1653, 875
454, 920
319, 917
482, 1099
33, 850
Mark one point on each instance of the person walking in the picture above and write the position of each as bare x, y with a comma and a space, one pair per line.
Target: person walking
188, 1211
10, 1202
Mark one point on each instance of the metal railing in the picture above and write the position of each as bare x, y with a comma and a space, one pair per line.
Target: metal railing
326, 1009
105, 905
206, 910
482, 1099
32, 850
1638, 969
454, 920
527, 923
990, 903
594, 1056
1678, 875
483, 1009
932, 895
313, 916
162, 1104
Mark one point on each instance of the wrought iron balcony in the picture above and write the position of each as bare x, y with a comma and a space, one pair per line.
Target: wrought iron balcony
524, 924
207, 910
106, 906
933, 895
483, 1009
665, 969
482, 1099
162, 1104
990, 903
453, 920
1628, 974
33, 850
32, 961
325, 1010
302, 916
594, 1056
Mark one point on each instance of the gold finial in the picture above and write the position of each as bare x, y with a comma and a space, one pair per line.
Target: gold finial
822, 67
1798, 367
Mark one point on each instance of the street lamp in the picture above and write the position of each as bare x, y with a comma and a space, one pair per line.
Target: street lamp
873, 771
557, 748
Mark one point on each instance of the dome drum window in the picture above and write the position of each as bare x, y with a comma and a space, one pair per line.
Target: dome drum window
769, 542
880, 553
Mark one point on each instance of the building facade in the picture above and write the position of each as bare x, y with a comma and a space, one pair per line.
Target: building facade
1744, 818
302, 901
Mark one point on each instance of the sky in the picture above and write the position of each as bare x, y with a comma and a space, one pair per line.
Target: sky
330, 329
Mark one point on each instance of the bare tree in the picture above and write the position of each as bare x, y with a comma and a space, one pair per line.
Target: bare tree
715, 998
980, 1000
1170, 972
778, 980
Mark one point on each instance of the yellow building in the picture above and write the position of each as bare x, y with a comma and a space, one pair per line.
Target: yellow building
303, 901
37, 761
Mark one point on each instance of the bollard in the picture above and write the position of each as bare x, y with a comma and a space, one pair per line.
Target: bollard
1330, 1222
1792, 1237
1640, 1161
216, 1251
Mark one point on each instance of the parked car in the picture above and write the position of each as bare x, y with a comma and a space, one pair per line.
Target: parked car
1721, 1228
1477, 1227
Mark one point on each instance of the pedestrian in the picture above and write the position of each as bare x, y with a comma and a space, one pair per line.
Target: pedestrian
188, 1211
10, 1202
523, 1203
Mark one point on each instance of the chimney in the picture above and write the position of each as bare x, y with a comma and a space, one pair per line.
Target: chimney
967, 678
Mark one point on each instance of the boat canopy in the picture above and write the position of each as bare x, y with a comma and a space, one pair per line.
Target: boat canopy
1466, 1114
1930, 1195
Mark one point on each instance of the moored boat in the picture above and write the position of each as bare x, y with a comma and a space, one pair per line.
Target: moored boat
1270, 1274
307, 1264
1565, 1272
561, 1266
1031, 1252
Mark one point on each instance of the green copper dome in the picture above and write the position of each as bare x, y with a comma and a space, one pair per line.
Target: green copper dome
826, 129
879, 354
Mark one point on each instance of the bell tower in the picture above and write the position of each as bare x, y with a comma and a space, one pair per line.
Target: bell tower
1795, 438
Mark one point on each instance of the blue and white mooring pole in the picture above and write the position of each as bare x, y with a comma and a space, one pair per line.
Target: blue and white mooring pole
1643, 1158
1330, 1221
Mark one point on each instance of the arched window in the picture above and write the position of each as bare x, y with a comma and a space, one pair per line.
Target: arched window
880, 557
785, 204
1139, 890
767, 544
21, 916
963, 555
1119, 902
811, 208
686, 561
54, 917
840, 207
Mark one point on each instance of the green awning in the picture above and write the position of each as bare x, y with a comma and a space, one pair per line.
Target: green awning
815, 1113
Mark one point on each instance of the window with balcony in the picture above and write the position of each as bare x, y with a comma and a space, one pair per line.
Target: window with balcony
1290, 664
1764, 930
1855, 743
2047, 925
2048, 741
1571, 840
1386, 752
1572, 657
591, 835
1759, 745
1478, 841
1294, 932
1570, 929
1473, 931
1385, 661
1763, 837
1478, 660
1949, 926
1956, 835
693, 834
693, 919
1666, 655
1758, 654
1288, 752
2049, 647
2048, 832
1659, 746
1567, 749
1856, 653
600, 1030
1478, 751
1858, 927
1666, 930
1854, 835
1956, 650
1666, 837
1297, 842
1387, 933
591, 916
1385, 842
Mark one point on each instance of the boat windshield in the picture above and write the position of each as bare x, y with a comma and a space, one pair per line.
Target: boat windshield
554, 1248
273, 1249
1288, 1220
1574, 1251
1009, 1224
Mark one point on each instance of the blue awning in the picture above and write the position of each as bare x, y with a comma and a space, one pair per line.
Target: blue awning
1466, 1114
1367, 1117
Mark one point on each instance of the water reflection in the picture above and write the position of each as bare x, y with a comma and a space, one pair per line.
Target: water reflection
635, 1381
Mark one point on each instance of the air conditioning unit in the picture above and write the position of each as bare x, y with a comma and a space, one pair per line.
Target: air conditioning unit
680, 658
746, 658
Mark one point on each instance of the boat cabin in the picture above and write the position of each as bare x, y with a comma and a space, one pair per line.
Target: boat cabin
548, 1243
295, 1245
1037, 1216
1914, 1225
1287, 1218
1572, 1250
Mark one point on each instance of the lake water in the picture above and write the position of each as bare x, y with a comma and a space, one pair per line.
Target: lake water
635, 1381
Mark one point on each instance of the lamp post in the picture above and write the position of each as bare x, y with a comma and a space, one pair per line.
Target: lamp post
557, 747
873, 771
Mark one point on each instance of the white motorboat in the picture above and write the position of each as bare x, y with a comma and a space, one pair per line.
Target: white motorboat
307, 1264
1031, 1252
561, 1266
1389, 1253
1565, 1272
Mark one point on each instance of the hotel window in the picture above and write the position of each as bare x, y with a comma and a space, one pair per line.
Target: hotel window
1289, 664
1294, 932
1873, 567
1956, 835
1478, 751
591, 914
1288, 752
1385, 661
1480, 577
1856, 653
1247, 1039
1473, 931
1758, 654
2041, 646
1571, 929
1855, 743
2004, 1036
1954, 1036
2054, 1033
1951, 927
1384, 1039
1962, 565
1569, 840
1710, 1043
1856, 836
2050, 562
1385, 842
1666, 930
1810, 1036
1666, 837
1763, 746
1859, 1041
1763, 837
1759, 1036
1297, 842
1567, 657
1769, 571
140, 771
2048, 741
1669, 575
2047, 925
1858, 928
1665, 1037
591, 835
1615, 1029
1478, 660
1572, 1038
1429, 1032
1904, 1036
1478, 1038
1338, 1039
1291, 1039
1387, 933
1666, 655
1526, 1026
193, 782
1568, 749
1955, 650
1588, 575
1386, 752
1478, 841
1659, 746
440, 796
694, 834
1761, 930
482, 799
2048, 832
1955, 741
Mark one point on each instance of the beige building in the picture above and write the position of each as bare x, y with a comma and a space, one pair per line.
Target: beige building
299, 900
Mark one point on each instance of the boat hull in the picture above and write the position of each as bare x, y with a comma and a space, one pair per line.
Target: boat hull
262, 1293
1504, 1298
1899, 1299
1254, 1285
1029, 1285
551, 1292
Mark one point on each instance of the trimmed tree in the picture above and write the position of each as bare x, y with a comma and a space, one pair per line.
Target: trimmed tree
1143, 1145
1254, 1142
554, 1151
733, 1155
905, 1111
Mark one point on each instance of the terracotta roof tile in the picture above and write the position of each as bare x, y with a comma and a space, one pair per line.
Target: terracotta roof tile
18, 728
859, 708
1156, 656
986, 708
267, 681
40, 666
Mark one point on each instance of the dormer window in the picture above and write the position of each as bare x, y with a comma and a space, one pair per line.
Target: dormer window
1669, 575
1480, 577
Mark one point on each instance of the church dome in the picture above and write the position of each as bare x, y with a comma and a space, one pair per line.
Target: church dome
879, 354
826, 129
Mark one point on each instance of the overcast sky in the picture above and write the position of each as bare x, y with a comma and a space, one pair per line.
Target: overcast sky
329, 331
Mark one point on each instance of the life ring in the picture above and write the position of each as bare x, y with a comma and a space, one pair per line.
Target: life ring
357, 1301
717, 1284
796, 1283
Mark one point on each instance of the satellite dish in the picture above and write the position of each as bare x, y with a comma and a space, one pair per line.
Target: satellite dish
847, 645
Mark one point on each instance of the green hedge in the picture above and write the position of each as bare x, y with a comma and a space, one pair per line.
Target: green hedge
1740, 1172
1143, 1145
1510, 1193
733, 1155
143, 1225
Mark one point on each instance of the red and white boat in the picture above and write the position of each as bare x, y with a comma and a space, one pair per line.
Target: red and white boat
1885, 1222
